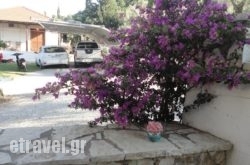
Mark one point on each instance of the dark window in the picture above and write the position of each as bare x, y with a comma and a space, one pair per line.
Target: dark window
88, 45
54, 50
11, 25
65, 38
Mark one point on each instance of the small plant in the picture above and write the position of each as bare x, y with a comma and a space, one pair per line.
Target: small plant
154, 127
154, 130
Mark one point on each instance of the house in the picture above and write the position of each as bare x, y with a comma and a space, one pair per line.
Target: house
20, 31
27, 30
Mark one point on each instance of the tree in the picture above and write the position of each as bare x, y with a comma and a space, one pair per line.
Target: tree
168, 50
58, 15
238, 5
90, 15
105, 12
110, 12
2, 44
121, 3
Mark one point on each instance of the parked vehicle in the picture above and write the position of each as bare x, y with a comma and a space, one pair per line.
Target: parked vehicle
21, 63
52, 55
87, 52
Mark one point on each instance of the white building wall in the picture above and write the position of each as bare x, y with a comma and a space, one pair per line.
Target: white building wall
23, 46
248, 33
15, 37
228, 117
51, 38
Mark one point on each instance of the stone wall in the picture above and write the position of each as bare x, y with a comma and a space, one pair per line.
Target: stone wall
206, 158
111, 145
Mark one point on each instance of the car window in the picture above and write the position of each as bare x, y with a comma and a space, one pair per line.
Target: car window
88, 45
54, 50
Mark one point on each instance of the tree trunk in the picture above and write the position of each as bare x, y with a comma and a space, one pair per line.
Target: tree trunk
238, 5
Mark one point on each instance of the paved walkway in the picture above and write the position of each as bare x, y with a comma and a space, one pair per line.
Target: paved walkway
29, 82
22, 111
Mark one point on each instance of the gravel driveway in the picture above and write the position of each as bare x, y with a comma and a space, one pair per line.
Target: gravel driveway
22, 111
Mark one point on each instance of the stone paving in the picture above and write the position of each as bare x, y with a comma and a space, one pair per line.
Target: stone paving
180, 145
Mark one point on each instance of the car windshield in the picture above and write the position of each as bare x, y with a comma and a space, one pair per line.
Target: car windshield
54, 50
89, 45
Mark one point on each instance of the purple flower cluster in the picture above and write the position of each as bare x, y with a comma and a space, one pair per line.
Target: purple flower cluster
167, 50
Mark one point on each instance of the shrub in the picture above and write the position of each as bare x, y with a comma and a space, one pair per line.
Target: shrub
3, 44
169, 49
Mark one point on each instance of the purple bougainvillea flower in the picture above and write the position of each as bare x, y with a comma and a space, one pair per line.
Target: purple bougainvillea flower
167, 50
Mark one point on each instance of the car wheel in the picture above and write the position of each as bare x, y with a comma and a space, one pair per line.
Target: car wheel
76, 64
41, 66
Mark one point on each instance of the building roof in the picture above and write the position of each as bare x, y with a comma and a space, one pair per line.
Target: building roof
98, 33
21, 14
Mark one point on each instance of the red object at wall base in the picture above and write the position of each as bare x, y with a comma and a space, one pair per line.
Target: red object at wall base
1, 57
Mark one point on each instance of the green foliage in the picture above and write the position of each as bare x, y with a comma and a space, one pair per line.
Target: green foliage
90, 15
201, 98
237, 6
11, 70
150, 3
2, 44
121, 3
111, 13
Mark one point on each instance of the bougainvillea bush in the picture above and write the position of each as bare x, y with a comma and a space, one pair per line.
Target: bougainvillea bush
169, 49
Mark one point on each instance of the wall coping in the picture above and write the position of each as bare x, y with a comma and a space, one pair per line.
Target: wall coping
109, 144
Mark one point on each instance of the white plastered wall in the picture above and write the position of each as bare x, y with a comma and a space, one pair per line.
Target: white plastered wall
228, 117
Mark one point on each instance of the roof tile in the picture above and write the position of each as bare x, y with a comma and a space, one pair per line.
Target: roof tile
21, 14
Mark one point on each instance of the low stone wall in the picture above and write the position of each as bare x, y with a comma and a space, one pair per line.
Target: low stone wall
111, 145
207, 158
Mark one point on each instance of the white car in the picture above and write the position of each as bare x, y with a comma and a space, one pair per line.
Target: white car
52, 55
87, 52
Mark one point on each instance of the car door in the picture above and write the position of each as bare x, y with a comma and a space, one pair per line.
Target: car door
38, 56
